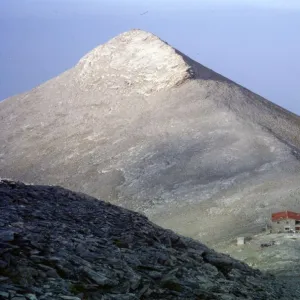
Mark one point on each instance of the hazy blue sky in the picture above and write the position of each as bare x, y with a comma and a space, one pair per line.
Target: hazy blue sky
255, 43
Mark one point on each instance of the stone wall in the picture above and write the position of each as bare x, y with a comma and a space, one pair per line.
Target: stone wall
280, 225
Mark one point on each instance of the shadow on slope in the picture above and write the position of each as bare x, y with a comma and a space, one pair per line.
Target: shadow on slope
61, 244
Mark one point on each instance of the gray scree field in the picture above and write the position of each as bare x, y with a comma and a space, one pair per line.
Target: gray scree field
57, 244
141, 125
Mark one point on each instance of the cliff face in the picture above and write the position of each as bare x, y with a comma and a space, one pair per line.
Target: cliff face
58, 244
141, 125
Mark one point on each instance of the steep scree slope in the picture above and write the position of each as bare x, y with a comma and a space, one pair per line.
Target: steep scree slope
56, 244
138, 123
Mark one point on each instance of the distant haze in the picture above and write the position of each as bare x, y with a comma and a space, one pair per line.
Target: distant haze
256, 44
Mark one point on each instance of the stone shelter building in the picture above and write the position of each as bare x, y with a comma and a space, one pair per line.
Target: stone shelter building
286, 221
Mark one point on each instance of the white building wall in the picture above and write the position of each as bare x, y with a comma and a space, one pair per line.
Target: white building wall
283, 225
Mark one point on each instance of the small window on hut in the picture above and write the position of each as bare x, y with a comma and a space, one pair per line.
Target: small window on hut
297, 222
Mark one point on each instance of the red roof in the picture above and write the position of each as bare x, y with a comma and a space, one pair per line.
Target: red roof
285, 215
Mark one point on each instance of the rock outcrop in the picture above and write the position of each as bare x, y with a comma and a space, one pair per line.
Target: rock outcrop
58, 244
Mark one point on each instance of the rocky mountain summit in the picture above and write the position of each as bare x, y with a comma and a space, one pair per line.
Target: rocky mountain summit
141, 125
58, 244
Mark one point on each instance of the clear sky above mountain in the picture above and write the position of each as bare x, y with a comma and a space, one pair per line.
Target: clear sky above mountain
256, 43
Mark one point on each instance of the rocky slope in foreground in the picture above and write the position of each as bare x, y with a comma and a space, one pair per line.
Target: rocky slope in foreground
57, 244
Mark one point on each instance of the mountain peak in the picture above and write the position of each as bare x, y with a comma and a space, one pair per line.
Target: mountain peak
208, 151
142, 61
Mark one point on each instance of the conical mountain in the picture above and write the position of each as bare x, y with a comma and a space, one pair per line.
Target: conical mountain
138, 123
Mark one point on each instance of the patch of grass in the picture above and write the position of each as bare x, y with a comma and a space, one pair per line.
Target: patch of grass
172, 285
121, 244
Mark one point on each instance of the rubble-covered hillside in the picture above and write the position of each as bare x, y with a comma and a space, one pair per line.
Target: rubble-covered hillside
57, 244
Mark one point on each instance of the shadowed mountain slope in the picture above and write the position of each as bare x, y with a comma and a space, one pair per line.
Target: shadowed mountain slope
138, 123
57, 244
